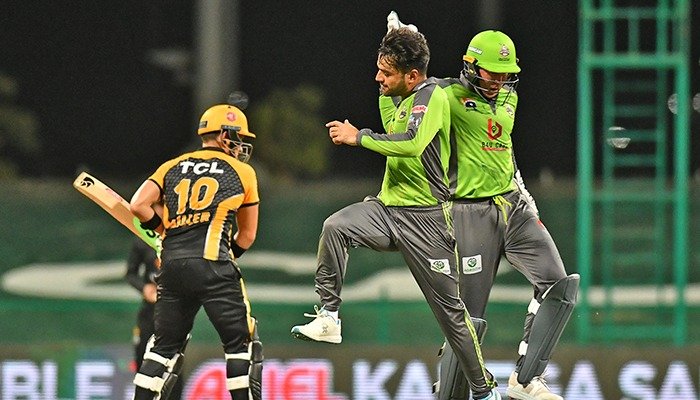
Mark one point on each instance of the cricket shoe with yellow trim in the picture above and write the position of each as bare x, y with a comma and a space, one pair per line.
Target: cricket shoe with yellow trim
536, 390
324, 328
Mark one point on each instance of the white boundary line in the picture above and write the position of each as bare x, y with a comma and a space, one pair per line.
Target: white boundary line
83, 281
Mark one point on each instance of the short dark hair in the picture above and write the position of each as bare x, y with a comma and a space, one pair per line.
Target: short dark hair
405, 50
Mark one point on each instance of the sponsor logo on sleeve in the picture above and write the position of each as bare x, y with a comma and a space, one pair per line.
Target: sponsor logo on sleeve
414, 121
422, 108
510, 111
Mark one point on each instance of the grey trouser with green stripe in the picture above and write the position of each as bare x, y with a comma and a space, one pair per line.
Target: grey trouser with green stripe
424, 236
491, 228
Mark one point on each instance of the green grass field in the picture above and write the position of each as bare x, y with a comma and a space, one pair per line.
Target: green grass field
48, 222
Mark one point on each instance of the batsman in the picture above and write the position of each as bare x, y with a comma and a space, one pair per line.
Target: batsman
210, 218
495, 216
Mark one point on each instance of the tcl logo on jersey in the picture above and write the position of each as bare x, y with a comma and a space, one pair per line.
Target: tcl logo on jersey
200, 167
494, 129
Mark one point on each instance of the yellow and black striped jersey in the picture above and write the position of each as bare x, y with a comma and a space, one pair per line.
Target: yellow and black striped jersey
202, 190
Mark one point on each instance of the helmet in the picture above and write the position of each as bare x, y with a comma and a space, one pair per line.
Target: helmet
224, 117
231, 120
493, 51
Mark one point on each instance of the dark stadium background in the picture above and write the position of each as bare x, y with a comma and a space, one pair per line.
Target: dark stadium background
83, 68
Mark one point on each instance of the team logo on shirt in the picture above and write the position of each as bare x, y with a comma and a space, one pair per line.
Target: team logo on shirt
471, 264
441, 265
402, 113
468, 103
494, 129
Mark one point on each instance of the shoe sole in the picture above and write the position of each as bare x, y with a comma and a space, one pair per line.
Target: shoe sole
510, 394
334, 340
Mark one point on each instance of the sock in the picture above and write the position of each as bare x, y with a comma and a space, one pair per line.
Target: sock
486, 395
333, 314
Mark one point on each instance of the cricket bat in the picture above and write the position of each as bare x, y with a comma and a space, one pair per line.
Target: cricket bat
116, 206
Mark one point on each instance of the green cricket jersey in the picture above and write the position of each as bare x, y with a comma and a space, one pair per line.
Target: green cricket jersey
416, 146
482, 157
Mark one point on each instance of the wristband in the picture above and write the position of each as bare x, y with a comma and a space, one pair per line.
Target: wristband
236, 249
152, 223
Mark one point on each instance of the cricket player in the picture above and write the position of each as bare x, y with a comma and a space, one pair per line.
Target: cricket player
495, 215
205, 194
141, 270
411, 214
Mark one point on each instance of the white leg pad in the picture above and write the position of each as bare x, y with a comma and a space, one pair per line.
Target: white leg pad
152, 383
239, 382
533, 307
239, 356
522, 349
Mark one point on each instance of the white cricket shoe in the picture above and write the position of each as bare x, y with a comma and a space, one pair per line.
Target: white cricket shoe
324, 328
393, 22
536, 390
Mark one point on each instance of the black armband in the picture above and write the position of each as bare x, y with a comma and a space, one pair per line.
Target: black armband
152, 223
236, 249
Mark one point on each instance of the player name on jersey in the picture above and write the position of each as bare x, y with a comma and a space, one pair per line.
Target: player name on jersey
189, 219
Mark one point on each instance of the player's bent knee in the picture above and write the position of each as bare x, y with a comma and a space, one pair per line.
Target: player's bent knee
332, 224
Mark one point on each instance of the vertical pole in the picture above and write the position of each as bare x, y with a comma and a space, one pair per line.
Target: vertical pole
681, 165
607, 203
490, 15
584, 171
217, 51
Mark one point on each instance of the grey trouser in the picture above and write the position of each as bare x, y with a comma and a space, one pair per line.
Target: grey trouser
500, 226
424, 236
